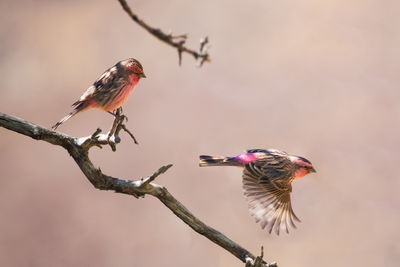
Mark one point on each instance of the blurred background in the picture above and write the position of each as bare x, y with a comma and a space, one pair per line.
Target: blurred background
314, 78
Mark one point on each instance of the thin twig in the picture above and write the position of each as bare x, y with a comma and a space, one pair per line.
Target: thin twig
177, 41
117, 121
129, 132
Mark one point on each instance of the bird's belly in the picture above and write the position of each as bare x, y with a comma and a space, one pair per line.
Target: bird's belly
119, 100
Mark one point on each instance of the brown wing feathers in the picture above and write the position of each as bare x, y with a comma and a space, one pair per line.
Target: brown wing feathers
267, 189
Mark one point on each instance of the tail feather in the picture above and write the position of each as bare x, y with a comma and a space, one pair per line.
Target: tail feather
72, 113
218, 161
79, 106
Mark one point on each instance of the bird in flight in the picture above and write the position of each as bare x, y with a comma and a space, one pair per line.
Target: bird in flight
111, 90
267, 183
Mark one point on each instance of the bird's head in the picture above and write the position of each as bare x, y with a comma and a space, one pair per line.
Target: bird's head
134, 66
303, 166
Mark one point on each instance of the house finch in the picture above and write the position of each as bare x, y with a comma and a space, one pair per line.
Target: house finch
111, 90
267, 178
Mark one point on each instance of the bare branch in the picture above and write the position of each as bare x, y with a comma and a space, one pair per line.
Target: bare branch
78, 148
175, 41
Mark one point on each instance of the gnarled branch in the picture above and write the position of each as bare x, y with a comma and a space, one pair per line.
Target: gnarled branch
177, 41
78, 148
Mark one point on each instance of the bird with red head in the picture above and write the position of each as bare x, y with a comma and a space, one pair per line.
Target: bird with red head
267, 183
111, 90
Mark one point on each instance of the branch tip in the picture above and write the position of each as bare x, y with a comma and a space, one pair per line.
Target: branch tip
160, 171
129, 132
94, 135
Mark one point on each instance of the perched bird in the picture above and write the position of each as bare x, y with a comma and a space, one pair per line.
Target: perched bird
111, 90
267, 183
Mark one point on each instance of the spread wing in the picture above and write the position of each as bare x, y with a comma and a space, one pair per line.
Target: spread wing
267, 187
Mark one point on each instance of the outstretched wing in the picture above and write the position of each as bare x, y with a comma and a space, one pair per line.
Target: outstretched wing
267, 187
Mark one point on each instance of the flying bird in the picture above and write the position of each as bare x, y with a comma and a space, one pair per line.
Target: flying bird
267, 183
111, 90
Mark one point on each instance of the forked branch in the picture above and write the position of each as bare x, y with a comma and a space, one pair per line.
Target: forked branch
177, 41
78, 148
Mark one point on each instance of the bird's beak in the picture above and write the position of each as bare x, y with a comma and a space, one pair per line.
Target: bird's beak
142, 75
312, 170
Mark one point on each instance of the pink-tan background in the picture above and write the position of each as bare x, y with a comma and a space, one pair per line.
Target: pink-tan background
314, 78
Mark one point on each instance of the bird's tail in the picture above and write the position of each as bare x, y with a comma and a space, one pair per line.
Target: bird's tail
79, 106
218, 161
